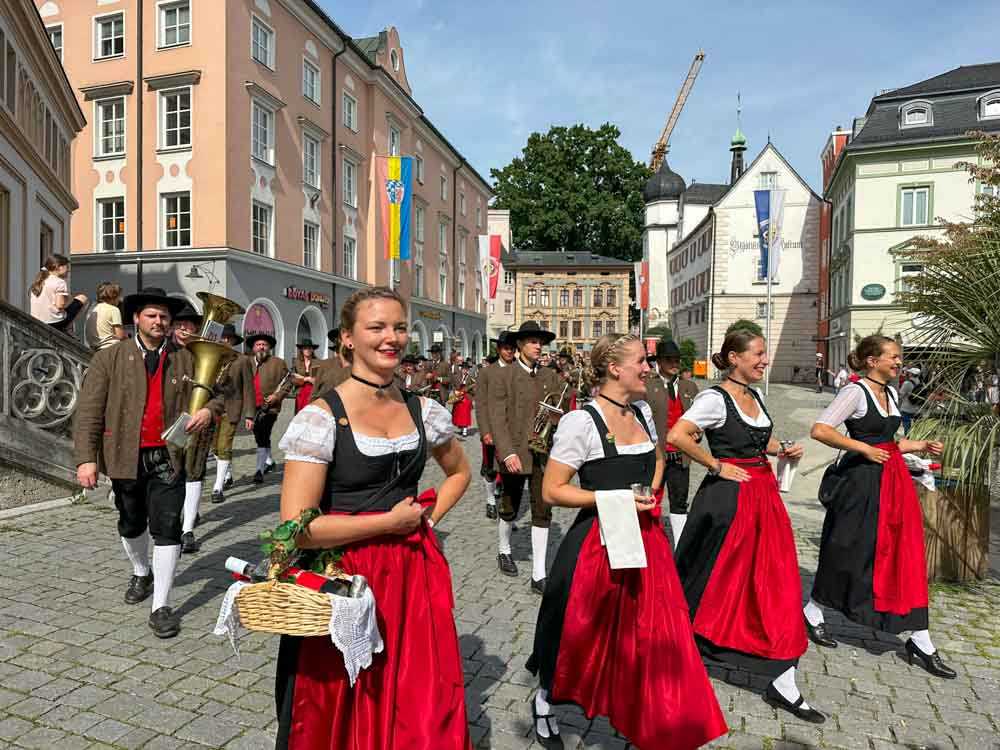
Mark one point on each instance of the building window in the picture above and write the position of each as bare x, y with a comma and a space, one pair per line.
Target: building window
508, 306
310, 245
419, 169
56, 37
262, 129
176, 122
598, 298
111, 215
767, 181
508, 277
177, 220
418, 221
689, 317
563, 329
916, 114
577, 329
109, 36
350, 117
443, 278
310, 161
46, 241
11, 88
598, 327
989, 104
564, 298
350, 183
350, 257
262, 43
990, 190
394, 60
577, 298
906, 272
175, 23
444, 188
612, 298
544, 298
442, 238
461, 287
609, 329
310, 82
532, 297
761, 313
479, 216
261, 229
914, 204
418, 272
479, 297
461, 203
395, 141
111, 127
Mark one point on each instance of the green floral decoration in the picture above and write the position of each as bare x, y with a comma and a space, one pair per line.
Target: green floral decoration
281, 548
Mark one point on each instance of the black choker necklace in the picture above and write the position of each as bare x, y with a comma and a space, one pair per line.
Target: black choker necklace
619, 404
876, 382
379, 388
746, 386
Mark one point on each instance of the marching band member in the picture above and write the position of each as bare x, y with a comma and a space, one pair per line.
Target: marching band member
871, 555
270, 388
333, 370
606, 639
438, 375
737, 556
409, 378
304, 370
488, 470
461, 412
514, 397
358, 453
131, 392
237, 389
670, 397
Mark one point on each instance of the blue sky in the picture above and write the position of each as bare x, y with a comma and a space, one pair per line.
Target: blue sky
489, 74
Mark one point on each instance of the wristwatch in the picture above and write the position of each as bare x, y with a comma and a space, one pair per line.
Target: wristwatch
715, 470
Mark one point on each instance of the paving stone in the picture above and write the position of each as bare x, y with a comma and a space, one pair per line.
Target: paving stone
11, 728
209, 731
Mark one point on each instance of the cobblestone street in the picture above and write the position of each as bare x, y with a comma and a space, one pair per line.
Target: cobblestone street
81, 669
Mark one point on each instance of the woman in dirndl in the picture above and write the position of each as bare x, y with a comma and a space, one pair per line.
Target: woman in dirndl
303, 373
617, 643
461, 411
871, 556
357, 453
736, 557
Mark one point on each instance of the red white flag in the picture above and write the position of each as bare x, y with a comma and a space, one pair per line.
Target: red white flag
489, 263
642, 285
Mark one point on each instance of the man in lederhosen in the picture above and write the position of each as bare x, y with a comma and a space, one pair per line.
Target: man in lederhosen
491, 476
514, 396
131, 393
270, 387
237, 390
669, 396
438, 375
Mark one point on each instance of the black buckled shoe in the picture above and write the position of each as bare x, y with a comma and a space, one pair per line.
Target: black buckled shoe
217, 497
773, 698
164, 623
819, 636
538, 586
491, 511
931, 662
139, 588
228, 483
269, 467
258, 477
506, 564
553, 741
189, 545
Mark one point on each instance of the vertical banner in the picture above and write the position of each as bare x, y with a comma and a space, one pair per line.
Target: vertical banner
489, 263
775, 241
642, 284
762, 201
395, 195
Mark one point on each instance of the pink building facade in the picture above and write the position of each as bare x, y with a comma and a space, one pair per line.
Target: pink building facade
231, 148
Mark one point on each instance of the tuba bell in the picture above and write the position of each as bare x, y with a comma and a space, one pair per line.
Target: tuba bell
542, 426
216, 312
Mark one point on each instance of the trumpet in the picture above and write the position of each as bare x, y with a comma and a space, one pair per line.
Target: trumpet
541, 428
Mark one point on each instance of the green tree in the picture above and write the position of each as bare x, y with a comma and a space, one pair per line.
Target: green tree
575, 189
745, 325
661, 332
689, 350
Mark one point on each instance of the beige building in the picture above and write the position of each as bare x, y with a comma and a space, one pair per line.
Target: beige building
39, 118
579, 296
232, 148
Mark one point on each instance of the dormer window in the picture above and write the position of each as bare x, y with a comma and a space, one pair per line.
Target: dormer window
915, 115
989, 106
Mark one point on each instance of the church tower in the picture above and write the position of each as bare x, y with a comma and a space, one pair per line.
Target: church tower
738, 145
662, 196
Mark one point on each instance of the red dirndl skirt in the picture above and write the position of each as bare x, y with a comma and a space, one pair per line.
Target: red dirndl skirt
303, 397
627, 650
461, 413
412, 697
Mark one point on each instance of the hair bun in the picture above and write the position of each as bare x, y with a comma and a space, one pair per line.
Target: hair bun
854, 362
719, 362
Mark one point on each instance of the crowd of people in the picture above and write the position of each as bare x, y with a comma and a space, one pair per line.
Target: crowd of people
612, 431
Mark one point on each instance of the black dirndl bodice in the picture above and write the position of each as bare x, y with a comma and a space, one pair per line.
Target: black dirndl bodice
736, 438
873, 428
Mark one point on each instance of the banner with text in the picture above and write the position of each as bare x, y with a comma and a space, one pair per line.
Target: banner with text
770, 205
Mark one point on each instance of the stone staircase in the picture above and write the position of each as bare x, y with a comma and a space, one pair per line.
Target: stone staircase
41, 371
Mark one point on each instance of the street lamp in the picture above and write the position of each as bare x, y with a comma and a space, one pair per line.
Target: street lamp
195, 272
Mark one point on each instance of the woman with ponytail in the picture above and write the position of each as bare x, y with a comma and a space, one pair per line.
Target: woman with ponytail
871, 556
617, 643
736, 558
50, 298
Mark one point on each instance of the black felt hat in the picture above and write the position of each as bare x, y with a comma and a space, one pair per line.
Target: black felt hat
531, 329
229, 331
151, 295
305, 344
188, 313
251, 340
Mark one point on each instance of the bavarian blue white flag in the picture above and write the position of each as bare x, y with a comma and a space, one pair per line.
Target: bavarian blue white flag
770, 205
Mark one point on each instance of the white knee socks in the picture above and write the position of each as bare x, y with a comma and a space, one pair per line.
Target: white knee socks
221, 472
813, 613
539, 544
138, 553
543, 708
785, 684
268, 461
922, 640
192, 498
490, 497
503, 534
164, 565
261, 459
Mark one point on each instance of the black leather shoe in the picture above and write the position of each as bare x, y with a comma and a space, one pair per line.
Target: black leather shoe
218, 497
553, 741
931, 662
189, 545
538, 586
819, 636
491, 511
164, 623
269, 467
773, 698
258, 477
139, 589
228, 483
506, 565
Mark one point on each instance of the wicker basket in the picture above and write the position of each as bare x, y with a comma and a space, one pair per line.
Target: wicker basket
284, 608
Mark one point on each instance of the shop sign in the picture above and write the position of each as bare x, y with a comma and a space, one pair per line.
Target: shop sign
302, 295
873, 292
430, 314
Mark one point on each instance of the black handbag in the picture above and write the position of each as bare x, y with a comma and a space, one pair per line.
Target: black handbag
831, 484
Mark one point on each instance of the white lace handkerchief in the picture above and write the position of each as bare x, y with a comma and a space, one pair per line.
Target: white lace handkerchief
354, 631
619, 520
228, 623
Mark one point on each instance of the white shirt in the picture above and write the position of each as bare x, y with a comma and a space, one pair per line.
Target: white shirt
577, 440
312, 433
530, 370
838, 382
851, 403
708, 412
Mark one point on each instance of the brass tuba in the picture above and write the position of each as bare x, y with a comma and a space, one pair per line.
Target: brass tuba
542, 426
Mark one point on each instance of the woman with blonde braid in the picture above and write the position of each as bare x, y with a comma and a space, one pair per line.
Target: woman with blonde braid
617, 643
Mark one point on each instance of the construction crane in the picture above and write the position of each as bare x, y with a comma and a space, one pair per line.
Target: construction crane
663, 144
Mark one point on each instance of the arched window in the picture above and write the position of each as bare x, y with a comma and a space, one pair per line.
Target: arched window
916, 114
989, 106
